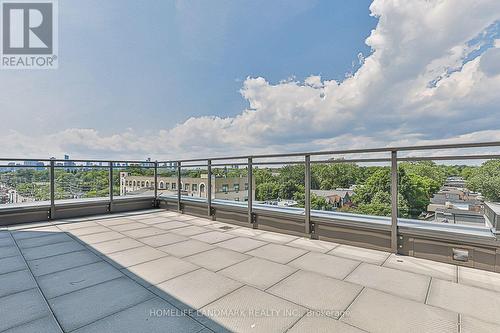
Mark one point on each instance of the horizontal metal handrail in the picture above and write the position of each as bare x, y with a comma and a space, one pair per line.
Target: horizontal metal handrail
296, 154
347, 151
5, 159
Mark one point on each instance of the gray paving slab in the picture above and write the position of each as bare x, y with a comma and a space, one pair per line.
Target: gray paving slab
378, 312
77, 225
157, 218
255, 307
20, 308
206, 330
163, 239
479, 278
195, 289
115, 245
29, 225
115, 221
167, 213
220, 226
85, 306
325, 264
241, 244
476, 302
35, 232
72, 220
422, 266
360, 254
144, 232
322, 324
12, 264
184, 217
128, 226
258, 272
276, 252
159, 270
154, 220
320, 293
275, 237
190, 231
134, 256
9, 251
14, 282
312, 245
400, 283
45, 240
6, 241
51, 250
62, 262
186, 248
101, 237
63, 282
245, 232
472, 325
152, 316
217, 258
201, 222
213, 237
88, 230
42, 325
171, 225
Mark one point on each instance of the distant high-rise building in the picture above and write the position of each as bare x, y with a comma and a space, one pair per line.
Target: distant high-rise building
68, 163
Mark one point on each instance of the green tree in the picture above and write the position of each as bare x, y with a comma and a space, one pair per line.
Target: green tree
334, 175
267, 191
486, 179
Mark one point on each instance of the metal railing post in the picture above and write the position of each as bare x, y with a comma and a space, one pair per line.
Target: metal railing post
179, 207
52, 176
156, 204
111, 187
307, 197
209, 188
250, 192
394, 201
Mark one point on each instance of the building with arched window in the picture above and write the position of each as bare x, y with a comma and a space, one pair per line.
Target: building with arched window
229, 188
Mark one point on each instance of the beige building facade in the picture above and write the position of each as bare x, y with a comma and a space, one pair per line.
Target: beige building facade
230, 188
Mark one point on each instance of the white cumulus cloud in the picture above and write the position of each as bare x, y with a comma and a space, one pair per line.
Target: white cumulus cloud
433, 75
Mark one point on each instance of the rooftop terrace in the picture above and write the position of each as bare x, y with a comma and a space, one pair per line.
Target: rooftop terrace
79, 253
162, 271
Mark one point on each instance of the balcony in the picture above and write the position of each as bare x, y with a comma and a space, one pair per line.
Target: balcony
169, 261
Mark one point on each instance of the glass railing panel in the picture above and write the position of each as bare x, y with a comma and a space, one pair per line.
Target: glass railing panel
133, 179
24, 183
449, 192
167, 180
230, 183
280, 186
344, 189
81, 181
194, 183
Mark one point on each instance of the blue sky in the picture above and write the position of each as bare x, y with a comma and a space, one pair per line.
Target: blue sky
152, 64
169, 79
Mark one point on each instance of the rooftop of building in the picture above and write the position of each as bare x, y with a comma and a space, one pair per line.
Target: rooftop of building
163, 271
115, 264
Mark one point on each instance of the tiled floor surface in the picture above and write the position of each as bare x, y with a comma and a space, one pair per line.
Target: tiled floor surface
159, 271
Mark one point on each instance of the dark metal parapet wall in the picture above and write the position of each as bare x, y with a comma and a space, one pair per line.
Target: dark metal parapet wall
97, 206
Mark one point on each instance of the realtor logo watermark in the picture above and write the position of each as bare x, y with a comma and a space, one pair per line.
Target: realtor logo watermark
29, 34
